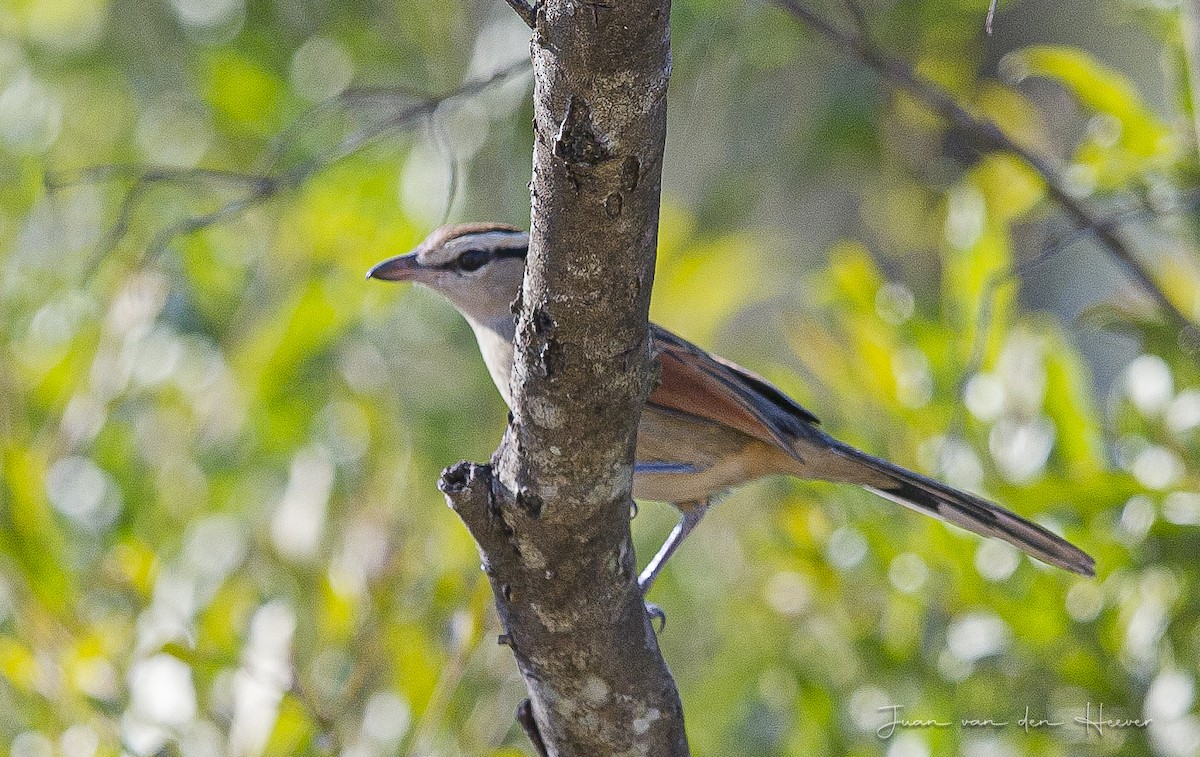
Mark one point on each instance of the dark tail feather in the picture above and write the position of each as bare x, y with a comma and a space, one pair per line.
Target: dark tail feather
967, 511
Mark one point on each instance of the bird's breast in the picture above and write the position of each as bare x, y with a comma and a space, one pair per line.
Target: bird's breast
496, 347
681, 457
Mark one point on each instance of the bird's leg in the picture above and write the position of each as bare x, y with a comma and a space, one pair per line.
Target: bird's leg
691, 517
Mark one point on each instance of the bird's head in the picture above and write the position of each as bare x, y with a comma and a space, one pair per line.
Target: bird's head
477, 266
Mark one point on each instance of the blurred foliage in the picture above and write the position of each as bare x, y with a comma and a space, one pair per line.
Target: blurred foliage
219, 532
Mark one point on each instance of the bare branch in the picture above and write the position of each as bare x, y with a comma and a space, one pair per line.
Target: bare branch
551, 514
989, 137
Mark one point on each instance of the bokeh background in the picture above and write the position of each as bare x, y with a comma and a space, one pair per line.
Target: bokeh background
219, 532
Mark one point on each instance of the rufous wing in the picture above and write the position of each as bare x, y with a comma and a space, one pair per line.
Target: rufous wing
700, 384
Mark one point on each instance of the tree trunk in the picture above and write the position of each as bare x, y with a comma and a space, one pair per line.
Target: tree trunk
551, 515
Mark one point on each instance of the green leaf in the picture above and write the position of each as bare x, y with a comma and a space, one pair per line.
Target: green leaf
1102, 90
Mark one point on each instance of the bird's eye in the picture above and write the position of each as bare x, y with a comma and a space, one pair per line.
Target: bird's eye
472, 260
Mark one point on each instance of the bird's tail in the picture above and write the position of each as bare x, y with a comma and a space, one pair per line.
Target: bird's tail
964, 510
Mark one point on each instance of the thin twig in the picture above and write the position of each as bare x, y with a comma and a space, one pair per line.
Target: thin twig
860, 17
350, 100
97, 174
989, 137
991, 287
527, 12
327, 730
117, 231
1060, 244
421, 734
263, 185
445, 148
195, 223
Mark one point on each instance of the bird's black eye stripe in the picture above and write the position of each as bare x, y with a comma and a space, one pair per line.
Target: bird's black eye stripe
512, 252
472, 260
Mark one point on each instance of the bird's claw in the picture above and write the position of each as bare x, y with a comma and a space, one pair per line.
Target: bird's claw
656, 613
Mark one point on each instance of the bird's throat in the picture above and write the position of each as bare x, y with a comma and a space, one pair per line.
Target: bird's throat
495, 340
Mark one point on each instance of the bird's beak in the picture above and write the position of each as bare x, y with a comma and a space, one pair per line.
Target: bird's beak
399, 268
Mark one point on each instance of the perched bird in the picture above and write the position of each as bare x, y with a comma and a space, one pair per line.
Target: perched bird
710, 424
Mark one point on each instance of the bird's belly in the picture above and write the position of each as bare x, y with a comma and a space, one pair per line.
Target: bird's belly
686, 459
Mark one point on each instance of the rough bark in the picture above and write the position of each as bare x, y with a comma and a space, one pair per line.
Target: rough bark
551, 514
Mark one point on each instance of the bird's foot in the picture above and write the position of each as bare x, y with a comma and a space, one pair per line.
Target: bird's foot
656, 613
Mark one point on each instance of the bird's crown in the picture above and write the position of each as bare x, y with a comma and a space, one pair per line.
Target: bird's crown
446, 246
